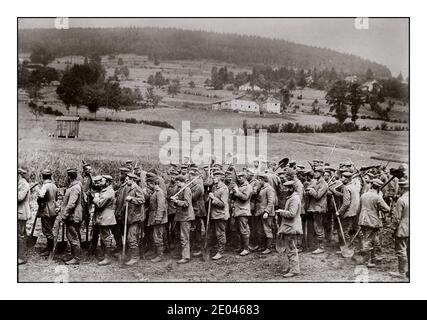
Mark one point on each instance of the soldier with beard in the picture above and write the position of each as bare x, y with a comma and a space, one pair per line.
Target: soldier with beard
197, 193
265, 214
157, 216
121, 194
242, 210
46, 199
24, 214
104, 215
291, 227
72, 215
219, 212
317, 205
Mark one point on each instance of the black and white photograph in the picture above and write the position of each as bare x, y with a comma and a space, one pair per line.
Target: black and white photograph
213, 150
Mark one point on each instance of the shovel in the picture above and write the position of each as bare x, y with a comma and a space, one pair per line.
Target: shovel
205, 253
340, 225
86, 244
55, 244
123, 255
280, 243
346, 251
62, 245
31, 240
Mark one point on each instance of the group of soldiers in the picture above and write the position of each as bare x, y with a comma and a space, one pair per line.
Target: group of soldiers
198, 209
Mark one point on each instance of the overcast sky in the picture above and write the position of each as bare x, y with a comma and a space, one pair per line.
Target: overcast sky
385, 41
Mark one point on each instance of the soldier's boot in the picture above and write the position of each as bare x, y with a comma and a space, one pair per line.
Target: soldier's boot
268, 246
107, 258
75, 253
245, 251
371, 259
159, 256
22, 250
134, 254
403, 266
48, 249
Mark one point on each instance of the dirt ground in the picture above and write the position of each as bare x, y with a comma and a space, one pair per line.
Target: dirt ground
327, 267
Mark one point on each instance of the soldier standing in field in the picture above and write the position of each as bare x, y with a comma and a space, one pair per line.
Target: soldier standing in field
242, 211
72, 215
291, 227
24, 214
46, 199
219, 212
400, 227
350, 207
317, 205
104, 218
185, 216
197, 193
157, 217
135, 200
121, 194
371, 203
265, 214
172, 188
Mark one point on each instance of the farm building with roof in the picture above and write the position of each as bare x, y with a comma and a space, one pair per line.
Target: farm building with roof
240, 104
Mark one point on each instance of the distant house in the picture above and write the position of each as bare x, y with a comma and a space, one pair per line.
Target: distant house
309, 80
369, 85
249, 87
241, 104
271, 105
55, 83
351, 79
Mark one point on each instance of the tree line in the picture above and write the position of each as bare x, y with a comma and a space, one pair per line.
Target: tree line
176, 44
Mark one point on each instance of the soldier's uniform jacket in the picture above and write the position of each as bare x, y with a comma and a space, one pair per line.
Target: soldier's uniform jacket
291, 217
370, 203
158, 208
72, 209
219, 206
400, 221
317, 196
172, 189
121, 195
24, 211
274, 182
136, 212
47, 197
242, 200
281, 195
254, 183
105, 205
265, 201
162, 184
185, 207
299, 188
391, 190
351, 201
198, 202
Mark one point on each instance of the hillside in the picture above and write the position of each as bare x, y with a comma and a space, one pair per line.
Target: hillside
174, 44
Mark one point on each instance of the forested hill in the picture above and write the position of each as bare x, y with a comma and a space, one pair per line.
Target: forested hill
171, 43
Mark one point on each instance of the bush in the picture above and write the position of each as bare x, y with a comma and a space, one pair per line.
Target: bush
131, 120
48, 110
384, 126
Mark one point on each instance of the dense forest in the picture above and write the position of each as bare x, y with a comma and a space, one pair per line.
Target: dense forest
171, 44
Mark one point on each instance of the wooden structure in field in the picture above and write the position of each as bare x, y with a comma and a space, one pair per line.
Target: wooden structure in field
67, 127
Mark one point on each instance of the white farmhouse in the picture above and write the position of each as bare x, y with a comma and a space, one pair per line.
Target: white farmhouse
271, 105
240, 104
249, 87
